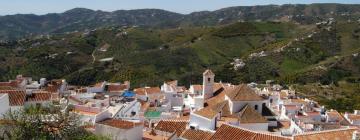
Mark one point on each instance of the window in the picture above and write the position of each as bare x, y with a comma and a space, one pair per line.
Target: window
256, 107
271, 100
209, 79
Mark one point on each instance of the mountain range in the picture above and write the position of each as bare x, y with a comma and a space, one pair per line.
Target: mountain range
80, 19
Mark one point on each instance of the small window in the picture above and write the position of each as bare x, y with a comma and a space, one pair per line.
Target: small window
192, 127
271, 101
256, 107
209, 79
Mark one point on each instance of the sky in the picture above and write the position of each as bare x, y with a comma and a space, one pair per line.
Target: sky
40, 7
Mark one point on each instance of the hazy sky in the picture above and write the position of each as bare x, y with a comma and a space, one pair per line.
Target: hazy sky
181, 6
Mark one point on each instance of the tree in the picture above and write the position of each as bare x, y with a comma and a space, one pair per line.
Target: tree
36, 123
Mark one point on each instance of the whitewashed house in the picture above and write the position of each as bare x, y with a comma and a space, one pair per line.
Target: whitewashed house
204, 119
154, 95
117, 129
16, 99
173, 93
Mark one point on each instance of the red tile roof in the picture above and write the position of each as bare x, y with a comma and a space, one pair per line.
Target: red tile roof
9, 84
147, 90
38, 96
353, 117
227, 132
140, 91
206, 112
116, 88
171, 126
122, 124
153, 90
250, 115
191, 134
197, 87
337, 134
243, 93
52, 88
16, 97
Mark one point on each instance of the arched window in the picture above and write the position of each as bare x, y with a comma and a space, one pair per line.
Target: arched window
271, 101
209, 79
256, 107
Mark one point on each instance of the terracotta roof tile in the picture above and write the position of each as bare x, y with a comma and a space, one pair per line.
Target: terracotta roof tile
337, 134
250, 115
243, 93
206, 112
122, 124
191, 134
222, 107
353, 117
197, 87
16, 97
227, 132
334, 114
147, 90
9, 84
116, 88
39, 96
171, 126
140, 91
153, 90
52, 88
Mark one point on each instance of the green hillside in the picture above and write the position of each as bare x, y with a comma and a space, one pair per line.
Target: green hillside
299, 54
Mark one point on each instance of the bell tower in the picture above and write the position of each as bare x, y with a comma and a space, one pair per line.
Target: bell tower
208, 83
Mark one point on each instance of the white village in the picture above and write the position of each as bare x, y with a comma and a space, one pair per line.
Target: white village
211, 110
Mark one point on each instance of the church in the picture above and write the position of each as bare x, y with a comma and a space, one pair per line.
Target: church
221, 103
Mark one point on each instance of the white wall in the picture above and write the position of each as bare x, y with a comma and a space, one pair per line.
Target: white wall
119, 134
4, 104
208, 85
295, 128
255, 126
236, 106
198, 102
202, 122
